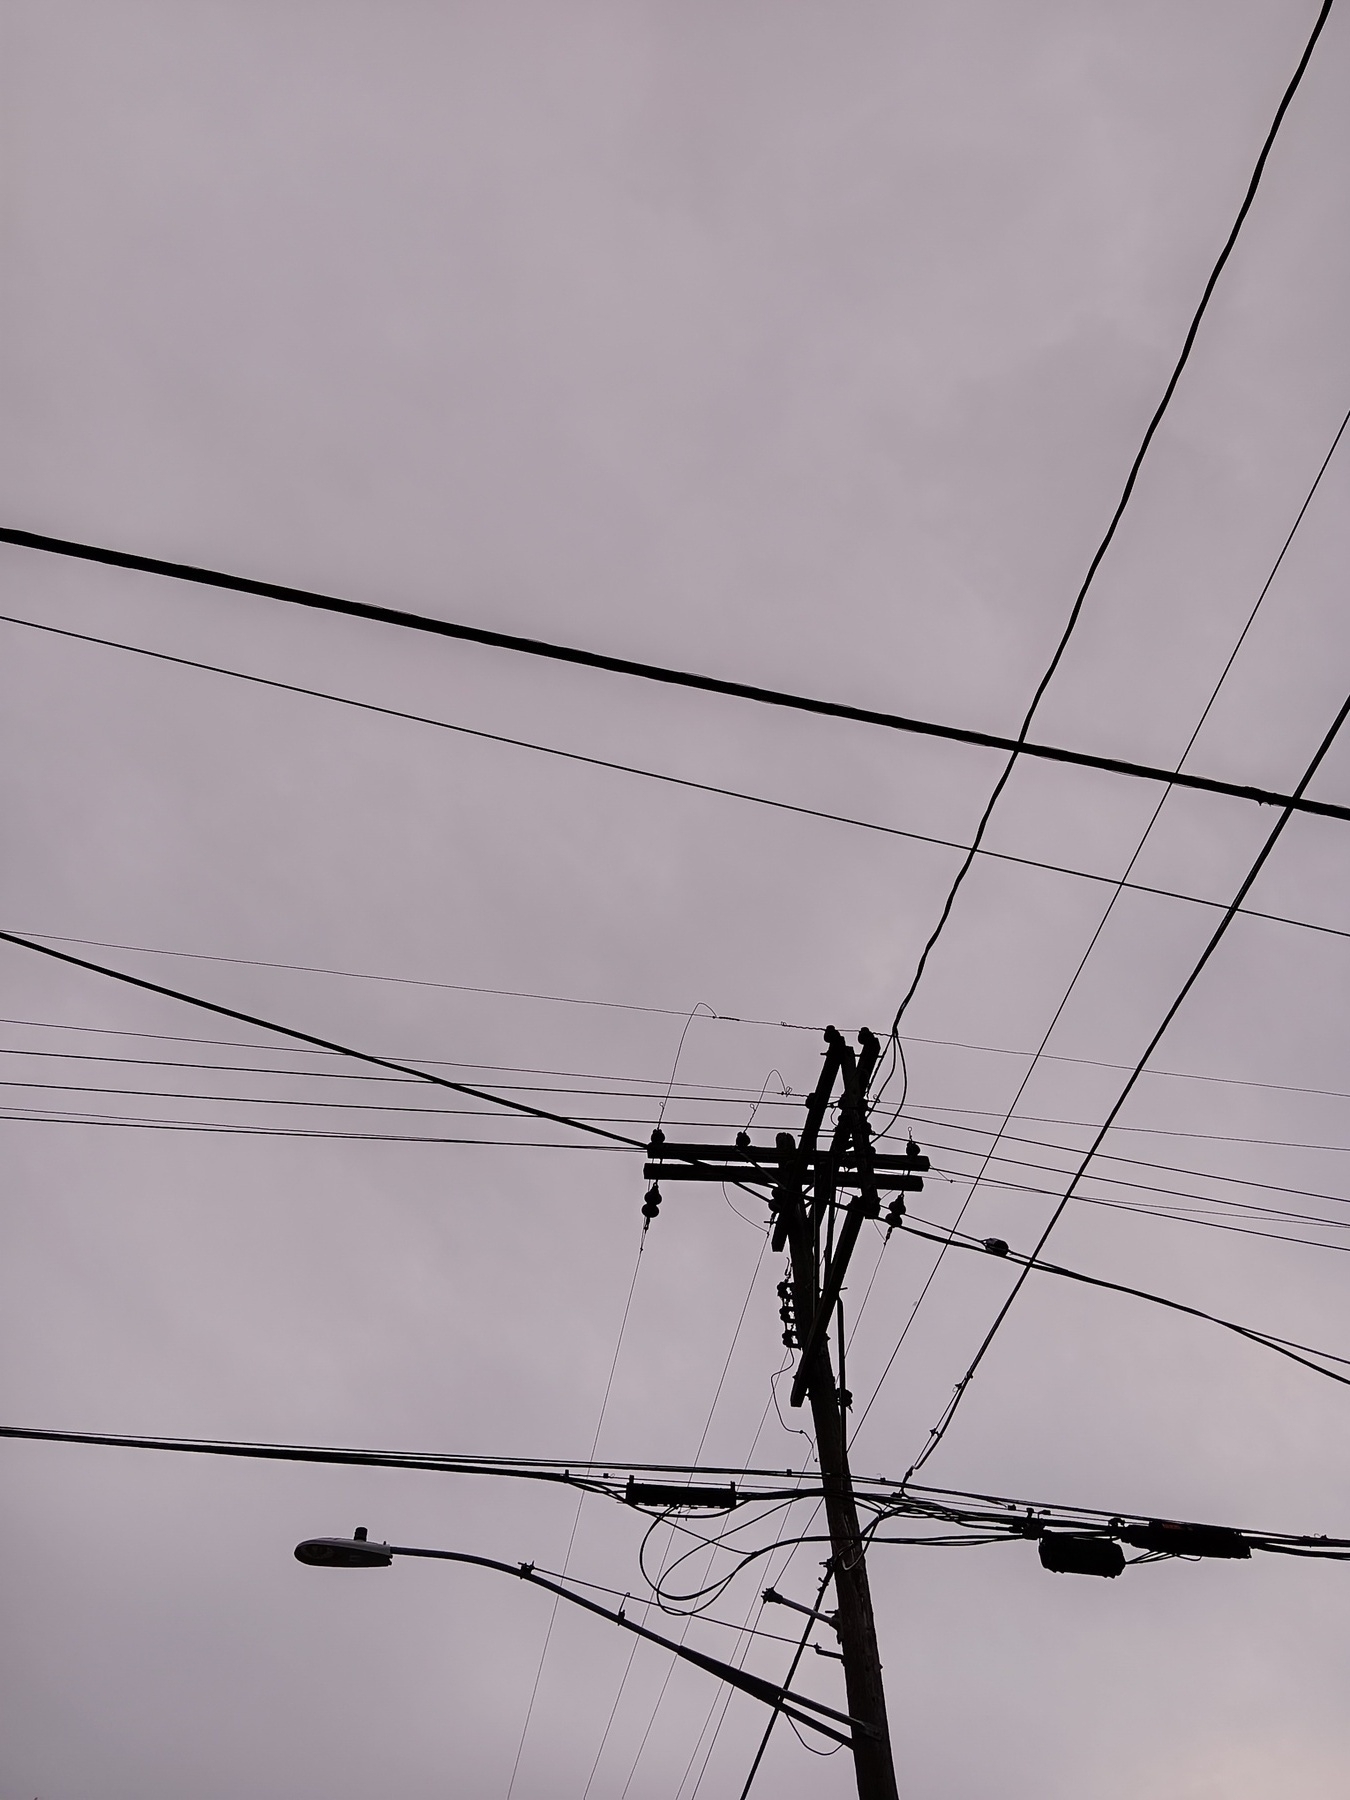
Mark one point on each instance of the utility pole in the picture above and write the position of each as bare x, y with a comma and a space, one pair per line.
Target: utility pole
806, 1180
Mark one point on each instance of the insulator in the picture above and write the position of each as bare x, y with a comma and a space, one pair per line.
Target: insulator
742, 1140
996, 1246
895, 1211
651, 1204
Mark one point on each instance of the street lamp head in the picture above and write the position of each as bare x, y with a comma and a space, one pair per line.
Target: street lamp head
355, 1552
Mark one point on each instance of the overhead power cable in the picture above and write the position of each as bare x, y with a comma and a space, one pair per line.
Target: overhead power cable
736, 690
1086, 1062
442, 1112
1021, 747
647, 1088
453, 987
1216, 1213
681, 781
1101, 925
1296, 1352
321, 1043
939, 1431
879, 1494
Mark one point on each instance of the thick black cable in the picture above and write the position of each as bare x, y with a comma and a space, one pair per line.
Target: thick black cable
1153, 424
939, 1431
601, 762
736, 690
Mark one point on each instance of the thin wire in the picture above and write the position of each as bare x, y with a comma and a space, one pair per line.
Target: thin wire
1136, 1162
679, 1049
576, 1520
703, 1438
306, 1037
787, 1682
1124, 500
665, 1683
1031, 1067
757, 1603
1281, 1346
642, 1088
453, 987
1088, 1062
703, 787
683, 678
939, 1431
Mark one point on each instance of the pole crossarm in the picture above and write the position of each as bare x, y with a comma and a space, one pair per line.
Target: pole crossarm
621, 665
864, 1205
799, 1707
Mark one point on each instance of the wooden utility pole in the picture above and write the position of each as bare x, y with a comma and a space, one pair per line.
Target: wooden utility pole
806, 1180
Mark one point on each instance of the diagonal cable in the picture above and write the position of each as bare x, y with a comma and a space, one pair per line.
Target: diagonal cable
1122, 503
940, 1429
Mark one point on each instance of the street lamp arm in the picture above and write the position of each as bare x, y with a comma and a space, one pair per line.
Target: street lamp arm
815, 1711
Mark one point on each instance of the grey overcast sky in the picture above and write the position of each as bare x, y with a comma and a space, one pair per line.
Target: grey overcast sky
805, 345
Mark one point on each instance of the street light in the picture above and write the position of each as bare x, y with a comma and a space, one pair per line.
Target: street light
355, 1552
358, 1552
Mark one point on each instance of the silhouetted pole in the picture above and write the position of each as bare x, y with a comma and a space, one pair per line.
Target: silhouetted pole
805, 1223
800, 1224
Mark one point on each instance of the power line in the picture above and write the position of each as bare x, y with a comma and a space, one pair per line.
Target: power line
703, 787
736, 1093
1133, 1162
644, 1088
737, 690
576, 1518
1082, 963
946, 1123
369, 1106
932, 1112
1020, 747
384, 1106
1087, 1062
703, 1438
1296, 1352
940, 1429
879, 1492
306, 1037
1184, 1216
454, 987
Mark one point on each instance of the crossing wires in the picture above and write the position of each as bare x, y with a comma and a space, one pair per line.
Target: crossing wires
939, 1430
1033, 1064
1075, 611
